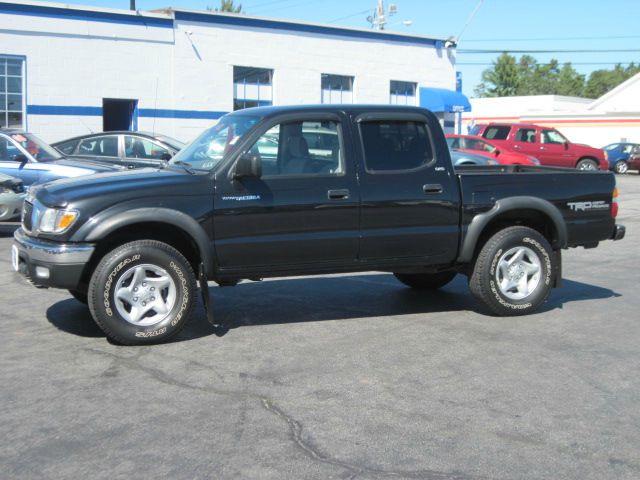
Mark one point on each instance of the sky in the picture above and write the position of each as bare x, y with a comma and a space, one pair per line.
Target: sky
611, 25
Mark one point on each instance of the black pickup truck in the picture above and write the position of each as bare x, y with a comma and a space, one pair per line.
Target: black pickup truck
281, 191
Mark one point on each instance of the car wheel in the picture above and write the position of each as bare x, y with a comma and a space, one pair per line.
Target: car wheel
142, 292
621, 167
587, 164
513, 272
425, 281
80, 296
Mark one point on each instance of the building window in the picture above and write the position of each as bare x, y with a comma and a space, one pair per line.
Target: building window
11, 92
252, 87
402, 93
337, 89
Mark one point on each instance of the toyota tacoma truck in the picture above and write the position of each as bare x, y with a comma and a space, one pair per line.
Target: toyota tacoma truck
284, 191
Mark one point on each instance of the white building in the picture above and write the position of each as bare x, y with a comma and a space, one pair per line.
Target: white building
68, 70
612, 118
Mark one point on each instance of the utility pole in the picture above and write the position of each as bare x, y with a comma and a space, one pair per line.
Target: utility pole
132, 4
379, 18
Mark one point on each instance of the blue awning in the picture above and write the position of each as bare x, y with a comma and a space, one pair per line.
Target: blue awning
443, 100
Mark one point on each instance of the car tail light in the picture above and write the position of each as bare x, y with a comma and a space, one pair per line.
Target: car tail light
614, 203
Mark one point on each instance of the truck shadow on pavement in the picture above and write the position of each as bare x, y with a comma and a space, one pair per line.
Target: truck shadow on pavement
296, 300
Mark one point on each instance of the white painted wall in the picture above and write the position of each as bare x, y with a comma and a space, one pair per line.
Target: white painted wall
78, 63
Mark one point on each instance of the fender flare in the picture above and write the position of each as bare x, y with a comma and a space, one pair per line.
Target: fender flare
99, 228
480, 222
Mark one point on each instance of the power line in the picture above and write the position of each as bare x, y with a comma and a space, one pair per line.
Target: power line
559, 63
544, 39
507, 50
470, 19
350, 16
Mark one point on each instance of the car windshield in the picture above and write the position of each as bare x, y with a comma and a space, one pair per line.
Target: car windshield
613, 146
172, 142
38, 149
208, 149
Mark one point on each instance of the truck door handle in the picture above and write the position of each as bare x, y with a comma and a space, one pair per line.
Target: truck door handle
342, 194
432, 188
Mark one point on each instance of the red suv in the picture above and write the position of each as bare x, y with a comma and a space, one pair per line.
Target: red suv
546, 144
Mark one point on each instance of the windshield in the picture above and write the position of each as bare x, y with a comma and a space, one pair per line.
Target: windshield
38, 149
172, 142
208, 149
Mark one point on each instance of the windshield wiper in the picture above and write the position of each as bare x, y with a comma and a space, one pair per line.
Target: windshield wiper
185, 165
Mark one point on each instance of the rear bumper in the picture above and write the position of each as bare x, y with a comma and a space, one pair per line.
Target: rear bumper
49, 264
618, 232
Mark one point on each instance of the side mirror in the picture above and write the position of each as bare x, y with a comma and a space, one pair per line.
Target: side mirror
248, 165
566, 145
165, 156
22, 159
498, 152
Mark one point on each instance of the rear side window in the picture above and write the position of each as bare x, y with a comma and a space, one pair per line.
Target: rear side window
67, 147
100, 146
395, 145
494, 132
527, 135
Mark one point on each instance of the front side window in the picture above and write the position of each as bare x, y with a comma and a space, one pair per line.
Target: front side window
11, 92
527, 135
496, 132
106, 146
402, 93
479, 145
136, 147
336, 89
301, 148
552, 137
252, 87
391, 145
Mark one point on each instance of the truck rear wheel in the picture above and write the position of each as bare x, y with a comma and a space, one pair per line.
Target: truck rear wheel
142, 292
513, 272
425, 281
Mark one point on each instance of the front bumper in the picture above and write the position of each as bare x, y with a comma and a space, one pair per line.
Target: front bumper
50, 264
618, 232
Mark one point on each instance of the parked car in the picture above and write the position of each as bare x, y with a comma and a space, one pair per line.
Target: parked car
27, 157
545, 143
619, 154
471, 144
132, 149
11, 197
135, 245
634, 159
461, 159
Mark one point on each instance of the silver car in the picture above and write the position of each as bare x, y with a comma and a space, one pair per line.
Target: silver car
11, 197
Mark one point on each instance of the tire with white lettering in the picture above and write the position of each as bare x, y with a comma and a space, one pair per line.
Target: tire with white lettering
142, 292
513, 272
425, 281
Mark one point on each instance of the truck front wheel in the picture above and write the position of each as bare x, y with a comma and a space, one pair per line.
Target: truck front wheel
142, 292
425, 281
513, 272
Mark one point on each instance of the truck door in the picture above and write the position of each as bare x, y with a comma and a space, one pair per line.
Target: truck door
554, 149
410, 195
302, 211
525, 141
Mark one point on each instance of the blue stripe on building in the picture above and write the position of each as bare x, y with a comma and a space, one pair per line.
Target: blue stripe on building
141, 112
85, 15
243, 21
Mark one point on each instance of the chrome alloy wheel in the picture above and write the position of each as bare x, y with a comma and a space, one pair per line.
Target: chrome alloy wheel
518, 273
145, 294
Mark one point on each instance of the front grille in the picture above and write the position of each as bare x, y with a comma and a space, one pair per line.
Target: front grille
27, 214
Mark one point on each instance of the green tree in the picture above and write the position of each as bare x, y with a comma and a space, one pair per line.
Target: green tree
501, 80
228, 6
570, 82
602, 81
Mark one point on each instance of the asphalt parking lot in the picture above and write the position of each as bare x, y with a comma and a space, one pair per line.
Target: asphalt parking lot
351, 376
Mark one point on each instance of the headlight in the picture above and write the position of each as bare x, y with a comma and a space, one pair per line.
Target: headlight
53, 220
5, 190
